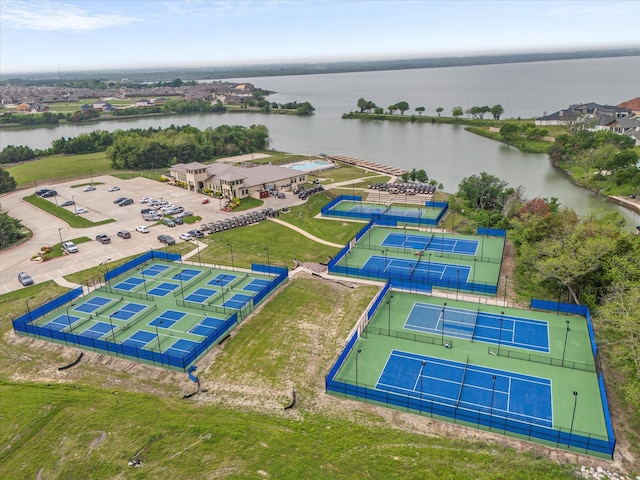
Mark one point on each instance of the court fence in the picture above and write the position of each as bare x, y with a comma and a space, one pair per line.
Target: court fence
384, 218
25, 323
556, 362
417, 281
564, 438
133, 263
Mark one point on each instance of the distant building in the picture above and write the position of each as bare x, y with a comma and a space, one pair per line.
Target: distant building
231, 181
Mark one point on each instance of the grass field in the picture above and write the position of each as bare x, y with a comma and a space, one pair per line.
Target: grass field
76, 221
59, 167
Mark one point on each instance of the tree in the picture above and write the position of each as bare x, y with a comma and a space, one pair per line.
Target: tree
457, 112
362, 104
497, 111
509, 131
420, 110
392, 108
439, 110
7, 182
402, 106
421, 176
10, 230
485, 192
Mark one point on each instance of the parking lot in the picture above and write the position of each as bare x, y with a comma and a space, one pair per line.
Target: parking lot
49, 230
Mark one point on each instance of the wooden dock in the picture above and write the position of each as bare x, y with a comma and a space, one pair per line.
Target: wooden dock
375, 167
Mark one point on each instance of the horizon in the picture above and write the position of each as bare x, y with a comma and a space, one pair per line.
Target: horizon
86, 36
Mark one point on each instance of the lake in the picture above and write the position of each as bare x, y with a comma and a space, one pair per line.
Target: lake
446, 152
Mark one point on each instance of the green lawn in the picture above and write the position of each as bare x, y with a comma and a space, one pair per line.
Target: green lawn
60, 167
76, 221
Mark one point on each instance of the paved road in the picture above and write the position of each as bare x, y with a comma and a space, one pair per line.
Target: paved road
48, 229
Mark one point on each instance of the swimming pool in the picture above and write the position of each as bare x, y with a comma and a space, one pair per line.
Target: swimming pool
310, 165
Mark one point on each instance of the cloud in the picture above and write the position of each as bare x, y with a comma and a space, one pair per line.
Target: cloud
50, 16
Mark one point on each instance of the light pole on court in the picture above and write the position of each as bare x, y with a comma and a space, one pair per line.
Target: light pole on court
421, 372
474, 269
113, 330
144, 284
106, 270
506, 284
566, 336
357, 353
268, 259
60, 234
573, 415
389, 312
500, 332
158, 335
429, 267
442, 332
231, 248
493, 391
457, 283
28, 309
69, 318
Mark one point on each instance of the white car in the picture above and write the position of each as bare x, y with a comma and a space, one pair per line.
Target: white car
186, 236
69, 247
81, 210
90, 188
142, 229
145, 199
113, 189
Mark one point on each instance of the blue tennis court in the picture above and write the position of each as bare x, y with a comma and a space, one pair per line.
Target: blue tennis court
186, 274
167, 319
98, 330
256, 285
60, 323
181, 348
129, 284
207, 326
201, 295
431, 243
428, 269
222, 279
154, 270
139, 339
237, 301
127, 311
497, 392
485, 327
163, 289
92, 304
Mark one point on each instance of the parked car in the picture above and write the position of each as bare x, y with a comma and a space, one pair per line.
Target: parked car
168, 222
178, 221
125, 202
103, 238
186, 236
196, 233
81, 210
49, 193
145, 199
66, 203
142, 229
90, 188
166, 239
206, 200
152, 217
25, 279
69, 247
113, 189
185, 214
42, 191
124, 234
119, 199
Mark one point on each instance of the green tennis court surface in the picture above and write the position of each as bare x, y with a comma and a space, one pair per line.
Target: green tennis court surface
416, 257
159, 312
526, 373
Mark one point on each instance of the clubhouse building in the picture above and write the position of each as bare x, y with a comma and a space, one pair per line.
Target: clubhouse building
231, 181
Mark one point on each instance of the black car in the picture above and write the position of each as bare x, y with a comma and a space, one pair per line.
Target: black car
66, 203
166, 239
49, 193
119, 199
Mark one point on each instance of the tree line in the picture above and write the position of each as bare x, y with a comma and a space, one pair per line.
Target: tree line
368, 106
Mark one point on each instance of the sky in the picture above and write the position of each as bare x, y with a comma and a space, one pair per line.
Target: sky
74, 35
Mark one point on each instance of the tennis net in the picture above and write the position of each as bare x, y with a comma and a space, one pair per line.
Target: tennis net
464, 374
429, 241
